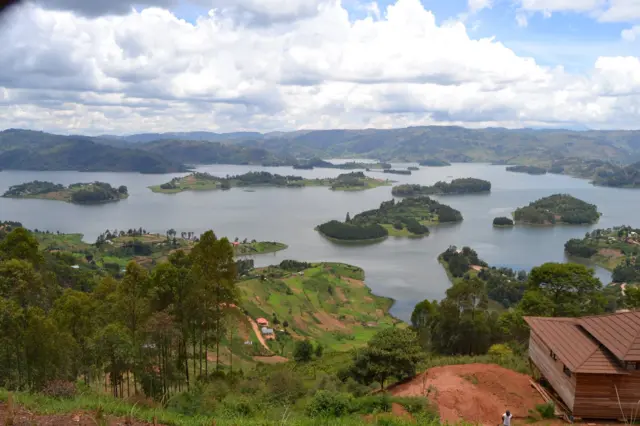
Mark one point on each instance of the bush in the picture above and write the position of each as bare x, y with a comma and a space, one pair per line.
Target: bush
329, 404
285, 387
547, 411
369, 404
303, 351
61, 389
500, 350
239, 406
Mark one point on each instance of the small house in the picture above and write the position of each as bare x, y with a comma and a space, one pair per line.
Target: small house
592, 363
75, 267
263, 322
267, 331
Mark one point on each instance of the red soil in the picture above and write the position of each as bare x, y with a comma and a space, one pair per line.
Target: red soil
475, 393
23, 417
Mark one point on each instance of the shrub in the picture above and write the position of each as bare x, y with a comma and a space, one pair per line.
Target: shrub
61, 389
303, 351
329, 404
547, 411
380, 403
239, 406
500, 350
284, 387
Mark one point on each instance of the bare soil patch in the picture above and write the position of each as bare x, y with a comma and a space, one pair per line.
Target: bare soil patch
353, 281
276, 359
607, 252
23, 417
340, 294
328, 322
482, 400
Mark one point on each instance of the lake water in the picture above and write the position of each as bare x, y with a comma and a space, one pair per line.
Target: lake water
404, 269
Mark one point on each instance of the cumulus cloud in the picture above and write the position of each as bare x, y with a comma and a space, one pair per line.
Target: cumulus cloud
631, 34
150, 71
268, 11
100, 7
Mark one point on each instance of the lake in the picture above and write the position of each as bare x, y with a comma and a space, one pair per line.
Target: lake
404, 269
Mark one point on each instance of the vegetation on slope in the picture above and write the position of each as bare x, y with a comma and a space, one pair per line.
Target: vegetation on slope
616, 249
557, 209
28, 150
204, 152
77, 193
197, 181
455, 187
407, 218
531, 170
434, 162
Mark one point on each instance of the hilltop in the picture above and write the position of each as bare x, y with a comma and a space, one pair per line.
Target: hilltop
557, 209
29, 150
77, 193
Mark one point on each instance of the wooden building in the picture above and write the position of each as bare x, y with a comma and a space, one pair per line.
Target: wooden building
593, 363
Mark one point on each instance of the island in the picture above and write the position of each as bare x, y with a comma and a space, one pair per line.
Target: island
615, 249
505, 286
76, 193
407, 218
350, 165
455, 187
503, 222
557, 209
198, 181
434, 162
531, 170
413, 168
398, 172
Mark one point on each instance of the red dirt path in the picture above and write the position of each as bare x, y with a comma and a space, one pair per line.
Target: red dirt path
476, 393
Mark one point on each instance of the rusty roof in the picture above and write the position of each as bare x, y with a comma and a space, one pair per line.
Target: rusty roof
578, 351
619, 332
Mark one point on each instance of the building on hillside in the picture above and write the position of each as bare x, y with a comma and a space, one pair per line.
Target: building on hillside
592, 363
263, 322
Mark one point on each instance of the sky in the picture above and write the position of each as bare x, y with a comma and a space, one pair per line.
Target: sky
121, 67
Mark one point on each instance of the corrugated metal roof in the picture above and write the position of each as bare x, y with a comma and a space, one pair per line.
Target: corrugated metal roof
579, 352
619, 332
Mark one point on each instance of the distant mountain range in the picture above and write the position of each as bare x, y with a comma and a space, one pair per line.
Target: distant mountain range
166, 152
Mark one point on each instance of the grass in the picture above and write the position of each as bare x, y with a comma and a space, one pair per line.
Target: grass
93, 404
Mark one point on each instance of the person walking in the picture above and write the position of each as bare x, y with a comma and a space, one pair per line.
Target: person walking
506, 418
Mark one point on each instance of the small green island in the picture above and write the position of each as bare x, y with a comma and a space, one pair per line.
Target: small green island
413, 168
615, 249
76, 193
503, 222
350, 165
557, 209
530, 170
198, 181
434, 162
455, 187
407, 218
397, 171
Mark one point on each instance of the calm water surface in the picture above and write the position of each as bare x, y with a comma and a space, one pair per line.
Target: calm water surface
404, 269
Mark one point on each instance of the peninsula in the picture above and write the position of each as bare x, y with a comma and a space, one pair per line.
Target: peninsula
455, 187
531, 170
77, 193
616, 249
557, 209
197, 181
434, 162
407, 218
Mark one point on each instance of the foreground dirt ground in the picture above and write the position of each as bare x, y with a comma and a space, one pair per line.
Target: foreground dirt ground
22, 417
475, 393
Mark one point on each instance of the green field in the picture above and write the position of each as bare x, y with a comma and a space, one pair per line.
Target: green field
327, 303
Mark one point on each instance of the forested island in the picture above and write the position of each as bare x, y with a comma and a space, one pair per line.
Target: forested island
455, 187
531, 170
77, 193
557, 209
398, 172
434, 162
616, 249
350, 165
503, 222
198, 181
407, 218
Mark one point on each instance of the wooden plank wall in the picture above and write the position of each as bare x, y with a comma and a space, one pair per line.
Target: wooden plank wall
552, 370
596, 396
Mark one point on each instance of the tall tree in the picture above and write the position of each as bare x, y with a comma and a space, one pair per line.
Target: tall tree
214, 268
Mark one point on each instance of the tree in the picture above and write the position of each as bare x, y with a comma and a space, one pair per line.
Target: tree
319, 350
20, 282
391, 352
348, 218
563, 289
214, 269
422, 320
303, 351
22, 245
632, 297
115, 351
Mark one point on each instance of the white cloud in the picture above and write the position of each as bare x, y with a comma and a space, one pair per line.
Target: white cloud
268, 11
522, 20
476, 5
150, 71
631, 34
